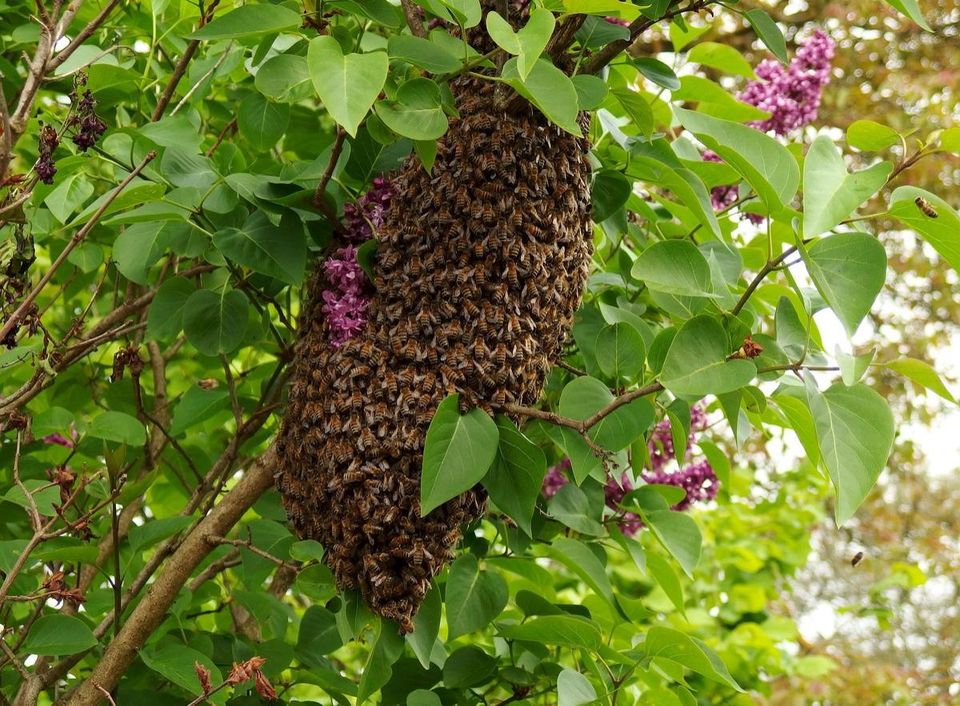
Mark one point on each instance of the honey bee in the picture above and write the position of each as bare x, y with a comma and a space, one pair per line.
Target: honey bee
433, 356
390, 516
512, 275
354, 425
406, 377
460, 199
353, 477
928, 211
414, 266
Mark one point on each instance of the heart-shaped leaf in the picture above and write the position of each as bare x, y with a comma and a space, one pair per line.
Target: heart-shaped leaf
347, 85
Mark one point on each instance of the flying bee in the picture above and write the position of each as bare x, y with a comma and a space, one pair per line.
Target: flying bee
858, 557
928, 211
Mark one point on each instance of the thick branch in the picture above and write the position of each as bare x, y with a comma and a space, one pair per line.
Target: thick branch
152, 610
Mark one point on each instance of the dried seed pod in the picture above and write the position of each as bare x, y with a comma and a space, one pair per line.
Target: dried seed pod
477, 282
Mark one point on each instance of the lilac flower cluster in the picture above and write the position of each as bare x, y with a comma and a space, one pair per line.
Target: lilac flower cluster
345, 302
791, 95
697, 478
89, 127
49, 141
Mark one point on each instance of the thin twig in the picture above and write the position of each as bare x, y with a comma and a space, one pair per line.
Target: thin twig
318, 196
636, 28
71, 245
6, 133
193, 89
181, 68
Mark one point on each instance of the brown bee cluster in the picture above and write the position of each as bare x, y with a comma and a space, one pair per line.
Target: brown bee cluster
479, 269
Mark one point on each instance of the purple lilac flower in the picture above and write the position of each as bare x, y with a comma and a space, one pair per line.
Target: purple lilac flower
49, 140
555, 479
58, 439
791, 95
697, 478
345, 302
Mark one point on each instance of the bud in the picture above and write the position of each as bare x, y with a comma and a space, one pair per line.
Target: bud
264, 687
203, 674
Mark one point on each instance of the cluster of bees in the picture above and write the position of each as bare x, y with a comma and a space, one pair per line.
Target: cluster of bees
480, 266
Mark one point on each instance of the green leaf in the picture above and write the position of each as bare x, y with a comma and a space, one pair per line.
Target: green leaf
196, 406
697, 365
591, 90
762, 161
571, 507
347, 85
68, 196
250, 21
550, 90
318, 633
578, 558
379, 667
679, 535
574, 689
474, 597
637, 108
417, 112
176, 664
262, 121
871, 136
849, 270
584, 396
458, 452
118, 427
565, 630
284, 78
663, 573
426, 626
611, 8
830, 193
517, 473
620, 351
657, 72
674, 266
215, 322
140, 245
683, 182
276, 250
608, 193
922, 374
769, 33
468, 666
528, 43
55, 635
675, 646
940, 232
855, 432
423, 697
911, 9
723, 57
423, 53
165, 319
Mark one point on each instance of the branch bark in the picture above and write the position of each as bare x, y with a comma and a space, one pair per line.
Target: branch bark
152, 610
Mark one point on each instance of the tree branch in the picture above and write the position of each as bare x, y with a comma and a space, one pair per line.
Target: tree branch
413, 18
636, 28
152, 610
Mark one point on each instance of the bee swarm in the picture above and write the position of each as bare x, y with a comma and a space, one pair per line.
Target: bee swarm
479, 269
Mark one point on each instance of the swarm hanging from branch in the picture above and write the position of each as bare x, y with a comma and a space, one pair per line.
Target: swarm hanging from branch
480, 266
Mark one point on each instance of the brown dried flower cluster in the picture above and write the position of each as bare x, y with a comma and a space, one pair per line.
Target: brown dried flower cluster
480, 267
